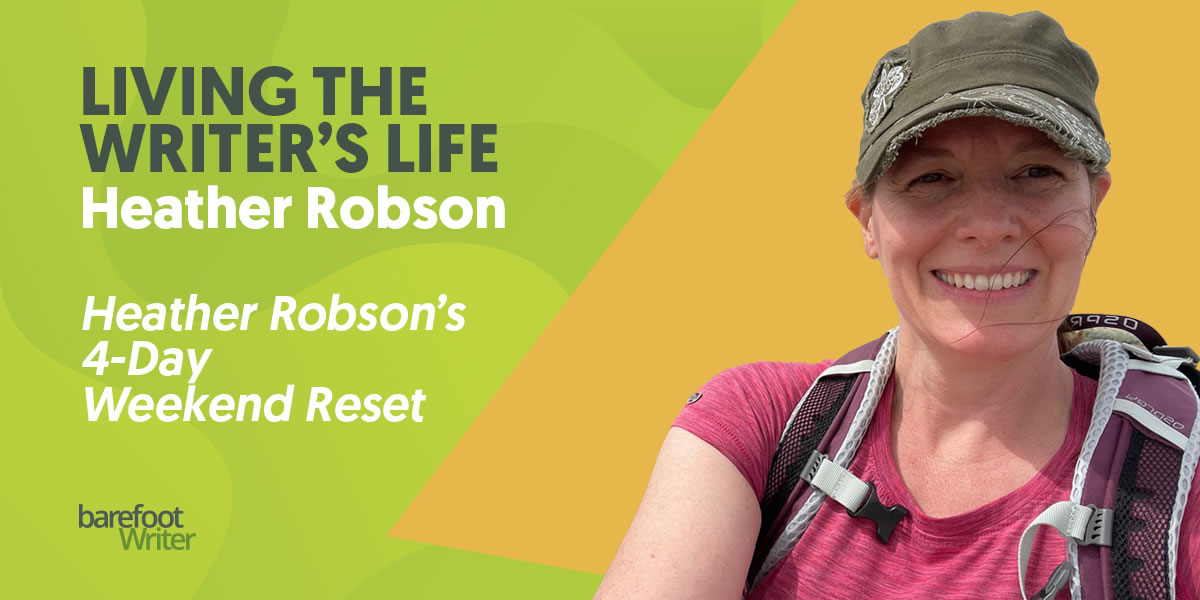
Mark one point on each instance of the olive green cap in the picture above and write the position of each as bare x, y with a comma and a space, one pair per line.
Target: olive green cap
1019, 68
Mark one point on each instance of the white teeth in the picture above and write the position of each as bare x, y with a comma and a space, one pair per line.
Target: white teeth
985, 282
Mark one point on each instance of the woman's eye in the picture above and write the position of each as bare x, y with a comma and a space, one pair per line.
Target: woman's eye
1039, 171
930, 178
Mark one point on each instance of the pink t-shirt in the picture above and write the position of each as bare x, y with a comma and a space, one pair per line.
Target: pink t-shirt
742, 412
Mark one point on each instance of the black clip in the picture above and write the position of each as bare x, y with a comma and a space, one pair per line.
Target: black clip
886, 517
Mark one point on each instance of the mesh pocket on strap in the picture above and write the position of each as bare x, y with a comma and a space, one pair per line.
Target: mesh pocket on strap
802, 437
1145, 498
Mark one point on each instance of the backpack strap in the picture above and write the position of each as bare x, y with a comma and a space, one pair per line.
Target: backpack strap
1155, 444
1132, 479
1142, 331
830, 419
1084, 525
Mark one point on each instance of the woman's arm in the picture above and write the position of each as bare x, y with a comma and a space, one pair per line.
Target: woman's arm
694, 533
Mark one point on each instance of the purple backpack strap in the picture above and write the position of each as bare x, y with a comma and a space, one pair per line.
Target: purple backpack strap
820, 422
1137, 462
1141, 468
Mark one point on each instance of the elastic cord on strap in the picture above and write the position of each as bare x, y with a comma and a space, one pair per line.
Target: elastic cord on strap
881, 369
1085, 525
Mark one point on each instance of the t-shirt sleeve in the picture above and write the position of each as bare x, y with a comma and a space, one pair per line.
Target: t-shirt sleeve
742, 412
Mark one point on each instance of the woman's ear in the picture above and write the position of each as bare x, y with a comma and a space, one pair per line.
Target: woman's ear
862, 209
1100, 189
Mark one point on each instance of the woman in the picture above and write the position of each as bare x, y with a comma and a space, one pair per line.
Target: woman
981, 167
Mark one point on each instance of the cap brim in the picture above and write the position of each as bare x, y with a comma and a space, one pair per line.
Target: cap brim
1072, 130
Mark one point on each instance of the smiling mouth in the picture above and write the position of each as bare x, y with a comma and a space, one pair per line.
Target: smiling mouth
993, 281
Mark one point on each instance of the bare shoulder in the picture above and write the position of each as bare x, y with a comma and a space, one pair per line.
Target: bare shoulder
694, 532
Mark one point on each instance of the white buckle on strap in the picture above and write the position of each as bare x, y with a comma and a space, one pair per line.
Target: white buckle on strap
856, 495
1085, 525
836, 482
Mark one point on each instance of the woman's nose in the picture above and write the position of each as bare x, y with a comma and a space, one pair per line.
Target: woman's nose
987, 215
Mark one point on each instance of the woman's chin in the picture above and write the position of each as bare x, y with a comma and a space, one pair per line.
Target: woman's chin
995, 342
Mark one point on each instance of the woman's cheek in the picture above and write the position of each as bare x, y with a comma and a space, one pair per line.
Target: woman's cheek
1069, 237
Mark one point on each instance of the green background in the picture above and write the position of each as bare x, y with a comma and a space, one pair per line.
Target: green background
593, 102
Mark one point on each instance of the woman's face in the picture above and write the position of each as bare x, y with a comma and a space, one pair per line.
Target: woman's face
982, 227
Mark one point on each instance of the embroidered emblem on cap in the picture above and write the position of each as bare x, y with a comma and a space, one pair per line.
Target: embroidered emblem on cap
891, 79
694, 398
